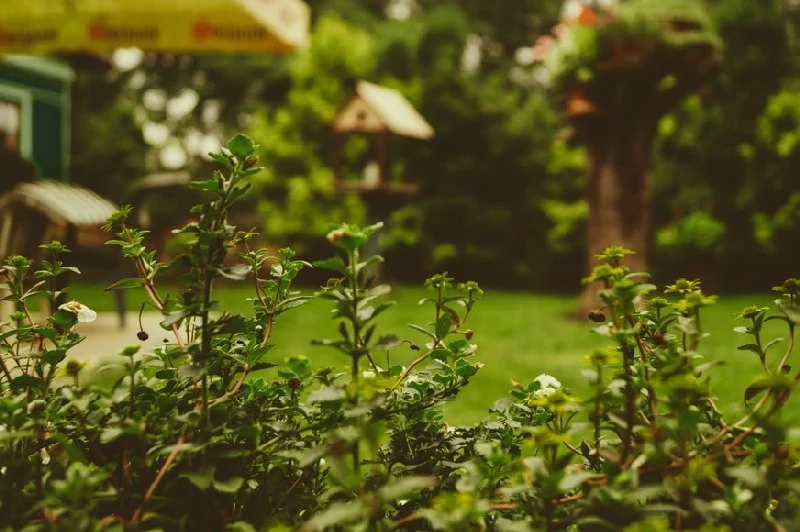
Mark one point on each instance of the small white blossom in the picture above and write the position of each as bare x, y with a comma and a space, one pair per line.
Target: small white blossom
84, 313
543, 392
547, 381
371, 374
413, 378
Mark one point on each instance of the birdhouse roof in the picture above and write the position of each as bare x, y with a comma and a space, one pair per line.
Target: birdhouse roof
61, 203
376, 109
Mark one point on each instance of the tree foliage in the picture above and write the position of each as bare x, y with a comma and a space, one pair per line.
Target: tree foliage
498, 163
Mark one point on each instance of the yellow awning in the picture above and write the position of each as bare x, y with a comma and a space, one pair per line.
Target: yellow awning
44, 26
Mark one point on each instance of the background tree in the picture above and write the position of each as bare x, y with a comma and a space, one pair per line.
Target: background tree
728, 154
722, 171
620, 69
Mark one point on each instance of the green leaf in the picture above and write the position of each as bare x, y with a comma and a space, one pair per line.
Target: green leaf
237, 272
406, 486
173, 318
221, 159
792, 311
368, 230
124, 284
336, 264
771, 343
229, 485
110, 434
191, 371
292, 302
440, 353
373, 260
338, 513
74, 453
45, 332
751, 476
465, 369
572, 481
309, 456
239, 526
25, 381
421, 329
64, 319
767, 382
241, 146
165, 373
750, 347
202, 478
299, 365
53, 357
209, 185
262, 365
443, 326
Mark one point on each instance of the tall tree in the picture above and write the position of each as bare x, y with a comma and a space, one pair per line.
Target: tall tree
620, 69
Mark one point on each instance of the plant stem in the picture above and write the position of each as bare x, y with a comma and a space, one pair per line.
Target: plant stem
597, 403
137, 515
630, 401
789, 349
205, 345
356, 354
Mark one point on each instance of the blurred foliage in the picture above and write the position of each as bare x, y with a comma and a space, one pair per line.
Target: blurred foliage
297, 187
720, 153
726, 159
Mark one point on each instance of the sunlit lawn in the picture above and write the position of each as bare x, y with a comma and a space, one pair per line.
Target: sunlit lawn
519, 335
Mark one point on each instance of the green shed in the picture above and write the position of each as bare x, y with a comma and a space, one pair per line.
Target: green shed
35, 112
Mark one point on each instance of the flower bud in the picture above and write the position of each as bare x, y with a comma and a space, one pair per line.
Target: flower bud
143, 336
597, 316
335, 236
73, 368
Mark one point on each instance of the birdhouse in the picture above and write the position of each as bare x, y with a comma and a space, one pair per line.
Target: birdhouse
377, 113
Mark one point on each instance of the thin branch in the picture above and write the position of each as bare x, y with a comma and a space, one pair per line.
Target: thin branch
789, 350
152, 293
280, 502
233, 390
137, 515
416, 362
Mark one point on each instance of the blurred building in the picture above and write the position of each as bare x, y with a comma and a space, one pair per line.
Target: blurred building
35, 115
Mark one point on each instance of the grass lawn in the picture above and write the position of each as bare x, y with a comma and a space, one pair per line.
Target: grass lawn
519, 335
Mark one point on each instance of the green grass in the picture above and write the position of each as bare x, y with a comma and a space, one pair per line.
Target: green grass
519, 335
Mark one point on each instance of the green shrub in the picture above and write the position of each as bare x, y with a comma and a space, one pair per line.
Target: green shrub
193, 436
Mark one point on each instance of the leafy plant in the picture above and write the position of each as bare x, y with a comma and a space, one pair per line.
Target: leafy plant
210, 432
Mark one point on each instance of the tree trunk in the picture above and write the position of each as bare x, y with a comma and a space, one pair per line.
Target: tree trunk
619, 196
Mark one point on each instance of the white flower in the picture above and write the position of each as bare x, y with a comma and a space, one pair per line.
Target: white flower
84, 313
370, 374
547, 381
543, 392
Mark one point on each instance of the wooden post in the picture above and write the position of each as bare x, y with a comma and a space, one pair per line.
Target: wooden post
382, 145
338, 156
